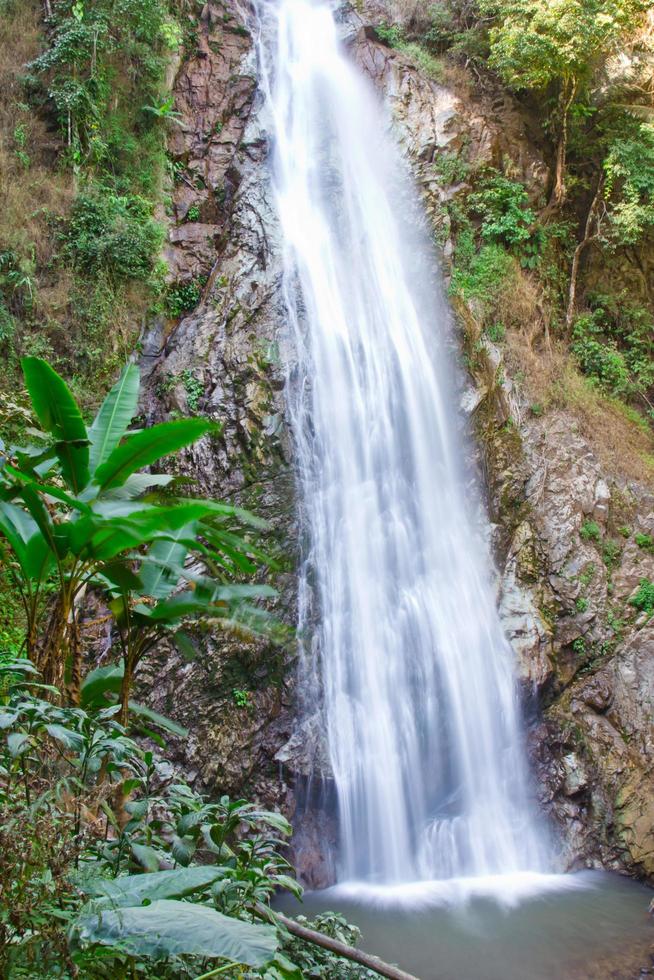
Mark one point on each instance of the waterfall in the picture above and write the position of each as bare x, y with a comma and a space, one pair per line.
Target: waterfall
397, 604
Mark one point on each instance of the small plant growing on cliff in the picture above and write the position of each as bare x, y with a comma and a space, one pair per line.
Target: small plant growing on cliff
182, 297
242, 698
610, 554
579, 646
590, 531
496, 332
644, 541
193, 213
644, 598
390, 34
194, 389
581, 605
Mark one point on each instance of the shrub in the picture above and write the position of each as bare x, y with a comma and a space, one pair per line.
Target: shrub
429, 65
452, 168
113, 234
599, 360
610, 554
484, 278
182, 297
590, 531
501, 204
644, 598
644, 541
390, 34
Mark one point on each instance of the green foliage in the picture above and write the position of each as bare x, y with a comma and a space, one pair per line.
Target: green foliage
590, 531
581, 605
453, 168
579, 646
113, 235
193, 213
644, 541
537, 44
502, 206
614, 345
390, 34
57, 765
428, 64
484, 276
182, 297
629, 170
496, 332
194, 389
242, 699
168, 928
79, 68
317, 962
610, 554
644, 597
72, 509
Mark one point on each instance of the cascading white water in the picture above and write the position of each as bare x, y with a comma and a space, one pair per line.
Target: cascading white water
420, 704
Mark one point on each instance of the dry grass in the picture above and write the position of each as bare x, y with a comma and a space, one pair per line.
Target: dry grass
622, 440
31, 189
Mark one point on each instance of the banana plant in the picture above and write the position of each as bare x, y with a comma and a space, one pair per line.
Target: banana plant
76, 511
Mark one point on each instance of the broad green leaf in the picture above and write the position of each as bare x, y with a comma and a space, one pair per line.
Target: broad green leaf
184, 604
171, 928
104, 538
161, 721
136, 889
59, 414
71, 740
146, 856
99, 682
158, 578
119, 574
116, 413
147, 447
182, 849
21, 522
17, 743
40, 513
186, 646
48, 490
12, 530
39, 559
137, 484
272, 819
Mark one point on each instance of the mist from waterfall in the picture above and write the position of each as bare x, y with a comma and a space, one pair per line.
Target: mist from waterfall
397, 605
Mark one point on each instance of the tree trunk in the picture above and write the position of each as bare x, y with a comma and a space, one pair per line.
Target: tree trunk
591, 232
48, 653
125, 689
341, 949
557, 197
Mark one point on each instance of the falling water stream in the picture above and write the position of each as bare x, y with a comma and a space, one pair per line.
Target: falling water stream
404, 651
422, 720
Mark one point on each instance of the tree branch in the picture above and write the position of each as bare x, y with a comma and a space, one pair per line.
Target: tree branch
334, 946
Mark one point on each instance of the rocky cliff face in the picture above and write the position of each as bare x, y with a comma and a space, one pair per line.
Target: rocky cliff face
565, 524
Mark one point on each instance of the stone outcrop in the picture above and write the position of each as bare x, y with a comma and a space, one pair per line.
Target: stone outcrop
222, 360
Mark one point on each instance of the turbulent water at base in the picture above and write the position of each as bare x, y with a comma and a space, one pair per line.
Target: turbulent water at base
422, 719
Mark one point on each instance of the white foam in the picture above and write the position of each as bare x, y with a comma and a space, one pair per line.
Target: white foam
507, 890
